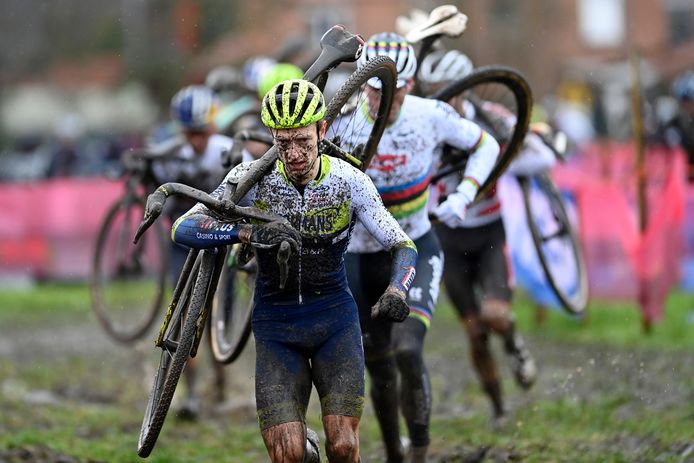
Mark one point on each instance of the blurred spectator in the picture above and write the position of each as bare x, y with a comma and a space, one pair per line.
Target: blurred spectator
572, 113
28, 160
68, 132
680, 128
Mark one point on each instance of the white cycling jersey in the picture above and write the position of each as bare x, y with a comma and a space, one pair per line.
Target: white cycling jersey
407, 156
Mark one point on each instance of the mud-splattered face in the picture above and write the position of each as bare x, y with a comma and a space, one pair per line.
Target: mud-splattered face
373, 97
298, 151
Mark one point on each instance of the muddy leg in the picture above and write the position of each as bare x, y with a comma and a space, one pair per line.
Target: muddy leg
342, 438
484, 363
286, 442
384, 394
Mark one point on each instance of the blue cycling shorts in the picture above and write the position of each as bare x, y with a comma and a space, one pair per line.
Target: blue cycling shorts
314, 343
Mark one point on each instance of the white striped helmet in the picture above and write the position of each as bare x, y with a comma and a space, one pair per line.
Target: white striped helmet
397, 48
194, 107
444, 66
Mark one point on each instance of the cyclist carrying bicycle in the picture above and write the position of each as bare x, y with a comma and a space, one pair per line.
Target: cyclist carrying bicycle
307, 333
198, 164
476, 273
402, 170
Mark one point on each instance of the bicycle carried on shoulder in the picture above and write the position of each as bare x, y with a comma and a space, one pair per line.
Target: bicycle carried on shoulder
192, 299
556, 241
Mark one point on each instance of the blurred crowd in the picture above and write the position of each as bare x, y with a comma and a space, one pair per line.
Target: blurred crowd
73, 150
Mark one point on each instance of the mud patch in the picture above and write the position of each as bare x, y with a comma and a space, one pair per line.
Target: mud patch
39, 454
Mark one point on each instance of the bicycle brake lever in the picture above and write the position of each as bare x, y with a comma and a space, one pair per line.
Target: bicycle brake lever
153, 208
283, 261
144, 225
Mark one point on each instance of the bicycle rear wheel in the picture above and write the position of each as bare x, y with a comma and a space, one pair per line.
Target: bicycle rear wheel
556, 242
232, 311
178, 342
350, 125
489, 88
128, 280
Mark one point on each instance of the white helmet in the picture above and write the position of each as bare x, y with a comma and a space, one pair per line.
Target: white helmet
254, 68
397, 48
444, 66
223, 79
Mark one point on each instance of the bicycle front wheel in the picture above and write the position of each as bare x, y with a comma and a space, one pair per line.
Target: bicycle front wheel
128, 280
178, 342
556, 242
232, 311
499, 95
352, 124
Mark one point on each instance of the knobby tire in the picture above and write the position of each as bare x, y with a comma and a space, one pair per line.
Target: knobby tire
182, 328
517, 84
573, 304
384, 69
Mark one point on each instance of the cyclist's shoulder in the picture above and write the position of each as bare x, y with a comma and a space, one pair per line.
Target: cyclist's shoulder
415, 101
218, 140
428, 108
341, 169
237, 173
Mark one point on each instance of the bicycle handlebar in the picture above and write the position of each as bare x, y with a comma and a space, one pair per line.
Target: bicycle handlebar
155, 205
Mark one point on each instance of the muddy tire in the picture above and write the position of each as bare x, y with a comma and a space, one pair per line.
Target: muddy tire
230, 319
178, 342
555, 238
501, 85
342, 108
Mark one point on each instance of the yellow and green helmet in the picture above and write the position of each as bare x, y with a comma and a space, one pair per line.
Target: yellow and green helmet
292, 104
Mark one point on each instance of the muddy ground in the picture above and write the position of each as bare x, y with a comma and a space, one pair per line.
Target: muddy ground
643, 383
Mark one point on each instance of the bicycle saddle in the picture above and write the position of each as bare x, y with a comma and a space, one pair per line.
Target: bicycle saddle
338, 45
443, 20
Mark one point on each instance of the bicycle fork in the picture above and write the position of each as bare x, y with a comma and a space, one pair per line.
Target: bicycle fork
181, 285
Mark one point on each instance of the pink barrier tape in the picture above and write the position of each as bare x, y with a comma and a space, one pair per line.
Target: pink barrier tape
49, 228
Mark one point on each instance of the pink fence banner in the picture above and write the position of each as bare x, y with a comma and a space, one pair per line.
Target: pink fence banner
49, 228
622, 261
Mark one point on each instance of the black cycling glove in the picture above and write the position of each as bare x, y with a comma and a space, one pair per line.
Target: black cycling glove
391, 306
271, 234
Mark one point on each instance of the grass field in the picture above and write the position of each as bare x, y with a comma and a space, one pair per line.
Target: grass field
606, 392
